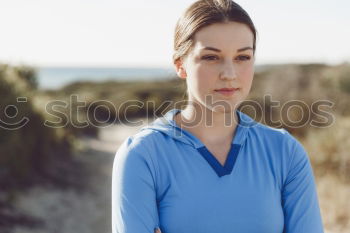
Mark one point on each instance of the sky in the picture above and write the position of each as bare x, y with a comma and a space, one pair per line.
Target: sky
140, 33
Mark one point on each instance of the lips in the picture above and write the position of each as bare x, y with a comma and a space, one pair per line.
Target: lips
227, 91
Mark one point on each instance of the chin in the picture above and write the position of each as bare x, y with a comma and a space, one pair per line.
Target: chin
229, 108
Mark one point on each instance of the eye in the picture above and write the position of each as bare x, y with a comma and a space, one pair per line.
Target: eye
210, 57
243, 58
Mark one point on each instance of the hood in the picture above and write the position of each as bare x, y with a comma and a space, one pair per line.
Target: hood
168, 126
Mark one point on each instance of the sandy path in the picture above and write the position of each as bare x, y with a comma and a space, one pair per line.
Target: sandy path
67, 211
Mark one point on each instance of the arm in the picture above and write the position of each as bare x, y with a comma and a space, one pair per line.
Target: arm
134, 208
299, 196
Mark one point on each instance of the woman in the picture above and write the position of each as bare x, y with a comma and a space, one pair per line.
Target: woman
210, 168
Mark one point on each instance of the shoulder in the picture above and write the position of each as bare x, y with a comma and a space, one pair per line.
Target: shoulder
278, 140
139, 142
277, 137
258, 131
133, 169
280, 146
265, 130
138, 147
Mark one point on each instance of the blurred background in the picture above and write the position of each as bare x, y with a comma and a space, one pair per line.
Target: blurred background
75, 76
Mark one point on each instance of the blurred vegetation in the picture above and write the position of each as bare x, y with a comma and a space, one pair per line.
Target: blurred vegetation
303, 85
27, 74
115, 101
30, 153
328, 149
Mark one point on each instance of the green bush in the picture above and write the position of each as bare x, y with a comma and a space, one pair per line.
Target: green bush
30, 153
344, 82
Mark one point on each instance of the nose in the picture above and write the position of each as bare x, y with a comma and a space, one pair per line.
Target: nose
229, 71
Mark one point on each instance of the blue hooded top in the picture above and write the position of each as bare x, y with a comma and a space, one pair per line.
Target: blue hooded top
164, 176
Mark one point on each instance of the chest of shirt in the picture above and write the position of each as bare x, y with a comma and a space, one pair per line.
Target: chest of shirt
194, 199
232, 206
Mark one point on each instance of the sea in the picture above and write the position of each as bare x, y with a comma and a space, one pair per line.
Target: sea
57, 77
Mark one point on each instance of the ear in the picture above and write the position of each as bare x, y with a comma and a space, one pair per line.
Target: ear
180, 69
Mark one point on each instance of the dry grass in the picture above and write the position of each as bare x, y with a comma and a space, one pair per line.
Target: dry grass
329, 151
334, 202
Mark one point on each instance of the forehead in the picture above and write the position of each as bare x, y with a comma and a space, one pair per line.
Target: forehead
231, 35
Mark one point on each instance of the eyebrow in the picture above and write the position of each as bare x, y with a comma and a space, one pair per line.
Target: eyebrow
218, 50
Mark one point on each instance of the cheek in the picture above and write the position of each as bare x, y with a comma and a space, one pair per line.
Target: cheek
202, 78
247, 74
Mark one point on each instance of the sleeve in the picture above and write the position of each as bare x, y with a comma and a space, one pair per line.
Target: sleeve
299, 195
134, 208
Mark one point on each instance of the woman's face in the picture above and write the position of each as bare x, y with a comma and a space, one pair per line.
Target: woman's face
222, 57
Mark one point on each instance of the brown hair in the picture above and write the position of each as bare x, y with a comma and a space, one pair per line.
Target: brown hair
204, 13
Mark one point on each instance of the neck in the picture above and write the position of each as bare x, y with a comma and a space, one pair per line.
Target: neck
209, 126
